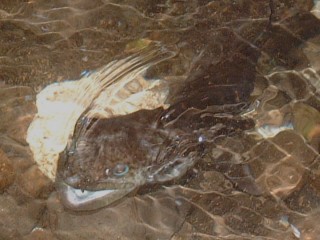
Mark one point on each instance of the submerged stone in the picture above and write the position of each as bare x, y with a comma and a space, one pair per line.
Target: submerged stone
7, 172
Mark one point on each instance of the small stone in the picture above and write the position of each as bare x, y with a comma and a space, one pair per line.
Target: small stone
18, 130
215, 181
20, 156
285, 177
35, 183
7, 174
18, 109
18, 220
306, 121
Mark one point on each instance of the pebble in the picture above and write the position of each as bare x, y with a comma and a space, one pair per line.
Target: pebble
35, 183
7, 174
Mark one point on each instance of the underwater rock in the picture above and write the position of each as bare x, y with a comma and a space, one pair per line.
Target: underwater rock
35, 183
7, 173
17, 110
306, 121
18, 220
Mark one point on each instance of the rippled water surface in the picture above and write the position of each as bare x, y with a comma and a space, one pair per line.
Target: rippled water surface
260, 182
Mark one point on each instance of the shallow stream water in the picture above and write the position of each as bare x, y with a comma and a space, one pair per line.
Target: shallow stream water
262, 183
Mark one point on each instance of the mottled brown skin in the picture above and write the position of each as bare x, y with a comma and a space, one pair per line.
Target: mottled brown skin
106, 142
145, 142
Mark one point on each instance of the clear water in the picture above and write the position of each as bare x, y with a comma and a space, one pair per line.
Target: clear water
258, 184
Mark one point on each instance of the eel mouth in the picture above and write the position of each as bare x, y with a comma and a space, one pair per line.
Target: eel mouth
84, 200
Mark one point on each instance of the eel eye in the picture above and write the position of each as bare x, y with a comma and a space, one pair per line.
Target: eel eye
120, 169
